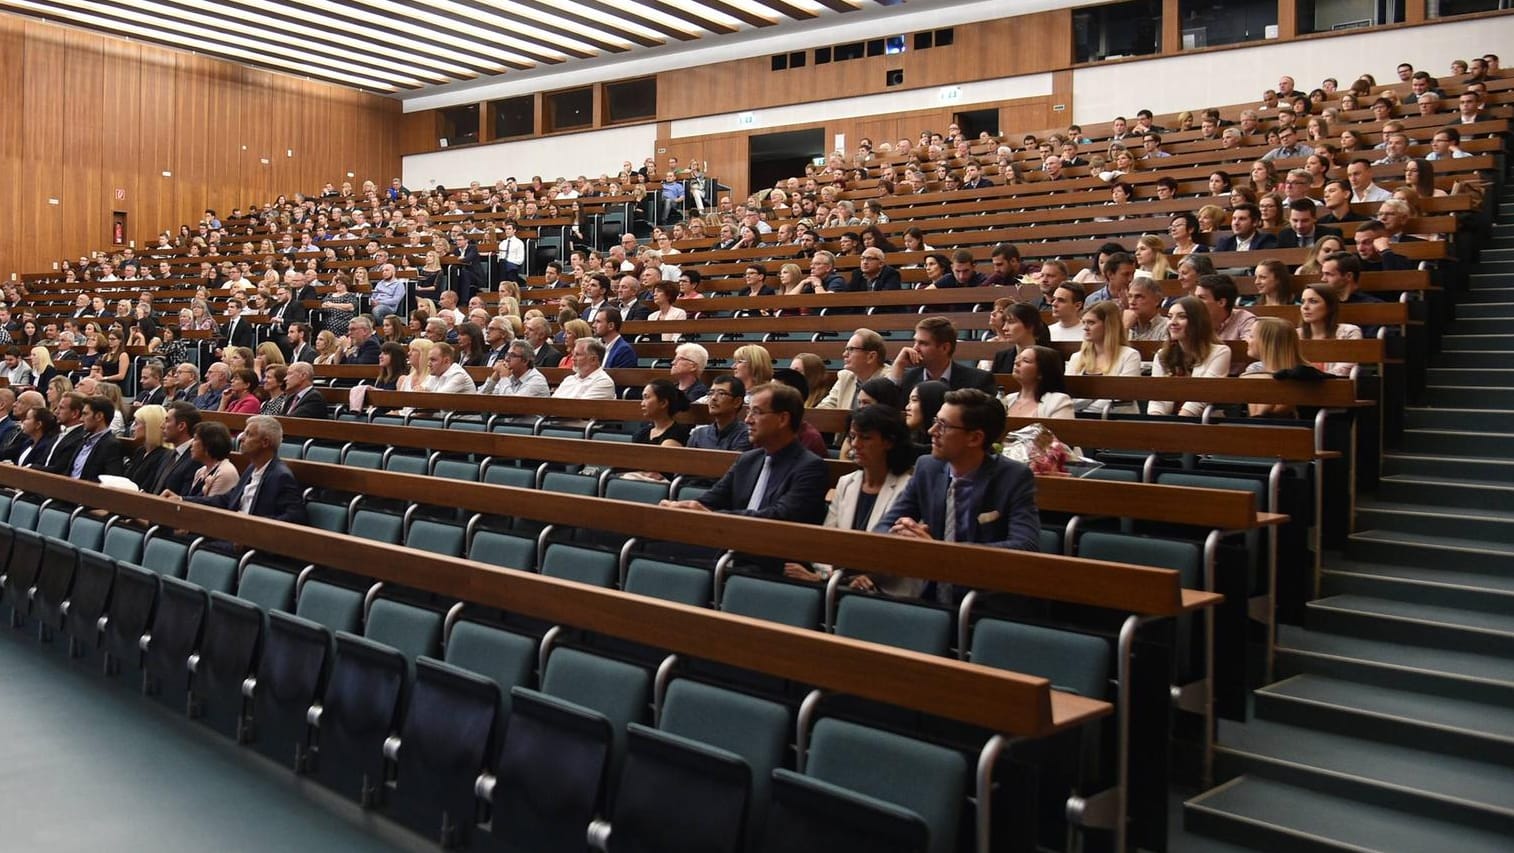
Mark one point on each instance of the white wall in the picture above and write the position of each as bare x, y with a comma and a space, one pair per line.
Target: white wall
1172, 84
983, 91
589, 153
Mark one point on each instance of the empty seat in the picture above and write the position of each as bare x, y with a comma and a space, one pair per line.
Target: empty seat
358, 457
212, 570
377, 526
640, 491
916, 627
336, 607
228, 655
414, 631
21, 572
457, 469
173, 638
503, 549
53, 521
923, 779
164, 556
1074, 662
291, 675
124, 544
267, 587
584, 565
87, 532
358, 712
436, 537
324, 515
669, 581
510, 475
570, 484
55, 577
447, 736
407, 463
327, 453
133, 601
691, 783
793, 604
94, 577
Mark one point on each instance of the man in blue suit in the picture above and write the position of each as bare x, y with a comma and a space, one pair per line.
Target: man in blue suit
993, 499
1245, 231
618, 351
267, 488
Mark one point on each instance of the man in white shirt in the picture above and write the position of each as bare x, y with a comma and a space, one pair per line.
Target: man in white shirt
588, 381
515, 375
447, 376
1446, 145
512, 254
1359, 173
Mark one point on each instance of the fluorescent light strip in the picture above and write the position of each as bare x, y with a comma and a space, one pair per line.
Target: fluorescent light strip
442, 28
523, 10
508, 24
255, 41
610, 20
661, 17
184, 42
473, 56
334, 31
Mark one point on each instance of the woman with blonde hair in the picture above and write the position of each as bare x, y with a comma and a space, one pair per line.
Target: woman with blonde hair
57, 388
267, 355
326, 349
43, 371
1323, 248
1105, 352
419, 352
1192, 350
572, 330
1151, 257
1275, 346
147, 459
753, 365
112, 392
1211, 218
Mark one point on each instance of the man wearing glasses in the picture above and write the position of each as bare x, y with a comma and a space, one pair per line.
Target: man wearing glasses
778, 479
515, 375
726, 429
861, 360
688, 365
964, 491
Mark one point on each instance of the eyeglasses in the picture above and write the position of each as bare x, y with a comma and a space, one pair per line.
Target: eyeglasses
943, 426
755, 412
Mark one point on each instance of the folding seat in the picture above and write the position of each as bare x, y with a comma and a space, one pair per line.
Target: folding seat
584, 565
292, 450
328, 515
640, 491
228, 655
1186, 558
55, 578
365, 694
1073, 662
212, 570
866, 789
502, 474
669, 581
559, 746
172, 639
87, 532
407, 463
455, 469
583, 485
503, 549
88, 600
799, 605
53, 520
338, 608
917, 627
363, 457
436, 537
377, 526
267, 587
160, 553
133, 601
291, 676
21, 571
328, 454
700, 781
449, 735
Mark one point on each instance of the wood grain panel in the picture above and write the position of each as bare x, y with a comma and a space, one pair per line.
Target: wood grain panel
86, 114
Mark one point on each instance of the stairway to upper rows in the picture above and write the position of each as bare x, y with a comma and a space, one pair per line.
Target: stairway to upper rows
1392, 724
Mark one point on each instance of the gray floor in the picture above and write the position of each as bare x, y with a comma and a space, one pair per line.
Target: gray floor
85, 766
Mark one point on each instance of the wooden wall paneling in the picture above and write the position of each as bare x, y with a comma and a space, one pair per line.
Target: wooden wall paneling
419, 131
157, 112
12, 94
46, 61
122, 154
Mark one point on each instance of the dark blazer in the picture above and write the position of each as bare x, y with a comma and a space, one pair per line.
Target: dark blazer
1004, 511
105, 458
155, 397
1260, 241
367, 352
279, 495
1288, 239
635, 312
796, 486
1327, 217
286, 314
1004, 360
144, 468
303, 352
8, 425
471, 273
888, 279
311, 405
178, 473
39, 456
548, 356
962, 376
63, 451
242, 336
620, 354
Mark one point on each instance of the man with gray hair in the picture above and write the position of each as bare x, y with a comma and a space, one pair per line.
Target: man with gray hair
362, 347
515, 375
1143, 318
217, 378
267, 487
588, 381
300, 399
689, 362
498, 335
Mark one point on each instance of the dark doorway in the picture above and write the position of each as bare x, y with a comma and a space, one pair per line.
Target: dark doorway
974, 122
777, 156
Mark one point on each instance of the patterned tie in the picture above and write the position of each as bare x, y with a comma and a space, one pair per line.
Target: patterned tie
949, 533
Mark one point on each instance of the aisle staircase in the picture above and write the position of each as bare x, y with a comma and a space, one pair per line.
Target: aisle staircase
1391, 726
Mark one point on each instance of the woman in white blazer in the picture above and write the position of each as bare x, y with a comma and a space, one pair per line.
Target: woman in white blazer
880, 444
1043, 391
1192, 350
1104, 353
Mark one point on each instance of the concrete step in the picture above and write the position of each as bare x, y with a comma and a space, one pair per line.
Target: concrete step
1471, 358
1485, 523
1462, 588
1403, 548
1481, 326
1470, 377
1477, 420
1426, 625
1266, 814
1459, 442
1460, 342
1467, 494
1485, 309
1448, 467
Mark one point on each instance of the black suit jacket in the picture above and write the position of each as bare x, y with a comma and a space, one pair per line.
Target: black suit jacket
1288, 239
635, 312
178, 473
286, 314
548, 356
145, 467
962, 376
1004, 511
241, 336
279, 496
303, 352
888, 279
38, 456
63, 451
472, 269
105, 458
311, 405
155, 397
1260, 241
796, 486
367, 353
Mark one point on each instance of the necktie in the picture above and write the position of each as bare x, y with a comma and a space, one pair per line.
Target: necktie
949, 533
760, 490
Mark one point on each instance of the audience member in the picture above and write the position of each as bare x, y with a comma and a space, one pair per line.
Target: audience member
266, 487
727, 430
588, 381
516, 375
1192, 350
929, 357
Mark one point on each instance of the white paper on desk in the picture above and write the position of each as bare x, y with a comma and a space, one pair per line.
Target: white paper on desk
111, 481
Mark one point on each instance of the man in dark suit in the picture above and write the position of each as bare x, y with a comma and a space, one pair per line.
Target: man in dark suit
538, 335
972, 177
286, 312
300, 399
151, 384
9, 423
963, 491
299, 343
237, 332
633, 309
99, 451
873, 274
267, 487
364, 347
177, 473
778, 479
70, 412
618, 350
1245, 234
930, 357
470, 274
1303, 227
